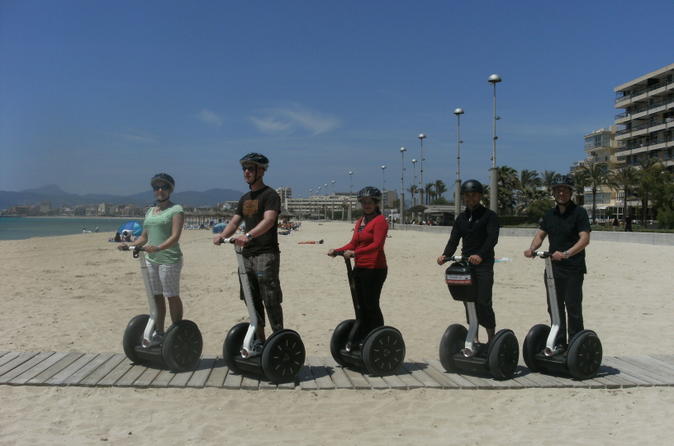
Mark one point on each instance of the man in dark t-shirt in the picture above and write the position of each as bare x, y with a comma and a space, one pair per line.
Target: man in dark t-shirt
259, 209
568, 228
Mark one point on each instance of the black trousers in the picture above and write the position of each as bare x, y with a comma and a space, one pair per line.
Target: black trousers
484, 278
369, 283
569, 287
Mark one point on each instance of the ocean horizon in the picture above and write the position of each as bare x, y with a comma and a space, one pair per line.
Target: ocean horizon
19, 228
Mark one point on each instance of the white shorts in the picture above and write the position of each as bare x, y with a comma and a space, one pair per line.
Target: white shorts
164, 279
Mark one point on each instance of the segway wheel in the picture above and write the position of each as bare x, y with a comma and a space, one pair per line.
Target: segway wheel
182, 346
504, 352
451, 343
383, 351
231, 348
339, 339
534, 343
283, 356
584, 356
133, 336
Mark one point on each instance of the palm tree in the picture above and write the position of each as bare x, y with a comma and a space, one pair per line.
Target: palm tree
648, 178
507, 183
528, 182
580, 180
596, 175
548, 177
623, 179
413, 193
440, 188
429, 192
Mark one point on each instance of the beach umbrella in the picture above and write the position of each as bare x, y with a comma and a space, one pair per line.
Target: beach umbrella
219, 228
133, 226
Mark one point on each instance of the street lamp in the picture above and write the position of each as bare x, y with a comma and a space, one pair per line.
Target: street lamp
414, 195
402, 185
383, 183
457, 188
350, 191
421, 164
493, 195
332, 208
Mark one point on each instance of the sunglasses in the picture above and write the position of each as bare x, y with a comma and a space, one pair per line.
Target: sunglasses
251, 168
161, 187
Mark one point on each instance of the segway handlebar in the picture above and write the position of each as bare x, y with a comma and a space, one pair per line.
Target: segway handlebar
136, 249
227, 240
542, 254
456, 259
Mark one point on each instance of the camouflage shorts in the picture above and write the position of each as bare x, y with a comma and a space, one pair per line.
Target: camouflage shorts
263, 276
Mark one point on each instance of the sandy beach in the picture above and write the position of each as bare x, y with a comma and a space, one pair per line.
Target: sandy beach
76, 293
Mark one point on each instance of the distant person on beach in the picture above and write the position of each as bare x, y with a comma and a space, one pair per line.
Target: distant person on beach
161, 232
569, 229
478, 229
628, 223
259, 209
367, 248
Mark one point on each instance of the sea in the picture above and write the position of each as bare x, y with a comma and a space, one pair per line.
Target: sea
17, 228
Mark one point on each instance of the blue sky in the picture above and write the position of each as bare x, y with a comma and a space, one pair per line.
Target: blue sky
97, 96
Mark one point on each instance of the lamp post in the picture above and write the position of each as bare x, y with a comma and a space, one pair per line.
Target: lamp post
332, 204
383, 184
457, 188
402, 185
414, 195
350, 191
493, 192
421, 165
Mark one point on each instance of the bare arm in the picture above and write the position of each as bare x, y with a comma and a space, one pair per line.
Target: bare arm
582, 242
536, 243
268, 221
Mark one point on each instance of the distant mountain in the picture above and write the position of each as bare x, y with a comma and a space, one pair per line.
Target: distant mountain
59, 198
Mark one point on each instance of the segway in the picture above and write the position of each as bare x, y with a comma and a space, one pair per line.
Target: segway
281, 356
381, 352
181, 347
582, 358
459, 350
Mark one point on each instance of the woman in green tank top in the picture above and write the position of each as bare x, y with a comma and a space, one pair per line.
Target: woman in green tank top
161, 231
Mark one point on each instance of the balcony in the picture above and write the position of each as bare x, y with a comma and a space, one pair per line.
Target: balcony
639, 91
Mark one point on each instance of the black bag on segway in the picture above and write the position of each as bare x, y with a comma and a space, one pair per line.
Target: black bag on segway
461, 282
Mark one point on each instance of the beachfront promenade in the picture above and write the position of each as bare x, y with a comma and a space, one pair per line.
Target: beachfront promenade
115, 370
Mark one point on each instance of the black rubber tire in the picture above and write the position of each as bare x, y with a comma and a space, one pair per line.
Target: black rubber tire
231, 348
283, 356
339, 339
584, 356
504, 353
182, 346
383, 351
451, 343
534, 343
133, 336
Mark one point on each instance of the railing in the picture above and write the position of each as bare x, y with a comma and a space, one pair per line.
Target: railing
642, 90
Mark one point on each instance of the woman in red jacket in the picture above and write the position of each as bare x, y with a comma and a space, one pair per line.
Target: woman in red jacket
367, 247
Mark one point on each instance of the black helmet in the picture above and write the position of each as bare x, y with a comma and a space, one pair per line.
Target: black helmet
163, 178
369, 192
562, 180
472, 186
255, 158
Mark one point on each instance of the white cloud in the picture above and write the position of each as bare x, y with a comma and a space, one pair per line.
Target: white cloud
139, 137
210, 117
294, 119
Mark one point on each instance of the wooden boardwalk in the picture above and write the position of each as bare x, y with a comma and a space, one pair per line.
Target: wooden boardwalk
115, 370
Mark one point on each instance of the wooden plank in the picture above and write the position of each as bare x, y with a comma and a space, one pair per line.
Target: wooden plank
290, 385
25, 367
82, 373
608, 362
637, 372
669, 359
524, 380
357, 379
250, 383
664, 364
162, 379
180, 379
3, 353
201, 373
232, 381
652, 367
102, 371
377, 382
306, 379
321, 374
8, 357
17, 361
130, 376
394, 382
39, 368
406, 377
433, 379
218, 374
448, 380
60, 377
267, 385
337, 374
546, 381
147, 377
120, 369
47, 373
